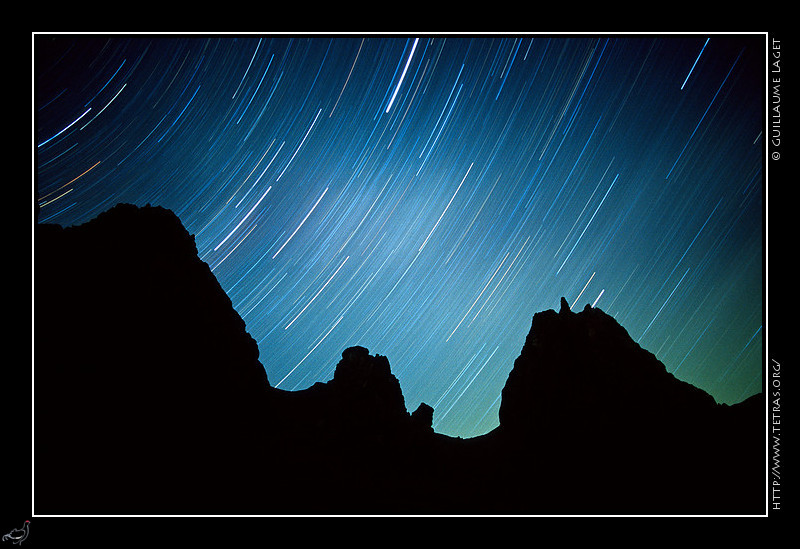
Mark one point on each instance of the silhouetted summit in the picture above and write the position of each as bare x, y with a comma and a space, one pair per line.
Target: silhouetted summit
622, 430
585, 370
150, 399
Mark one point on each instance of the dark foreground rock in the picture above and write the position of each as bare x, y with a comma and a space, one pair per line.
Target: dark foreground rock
149, 398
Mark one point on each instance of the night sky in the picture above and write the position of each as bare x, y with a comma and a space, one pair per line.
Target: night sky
424, 196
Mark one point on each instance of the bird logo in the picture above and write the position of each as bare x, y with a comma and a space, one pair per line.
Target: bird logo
18, 535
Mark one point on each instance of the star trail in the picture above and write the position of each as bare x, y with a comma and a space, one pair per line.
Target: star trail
424, 196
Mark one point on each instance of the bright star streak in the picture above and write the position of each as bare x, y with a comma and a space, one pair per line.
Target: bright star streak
301, 224
477, 298
105, 107
247, 70
584, 289
445, 210
244, 218
68, 183
704, 114
65, 129
317, 294
664, 305
309, 352
300, 145
348, 78
402, 76
587, 225
695, 63
598, 297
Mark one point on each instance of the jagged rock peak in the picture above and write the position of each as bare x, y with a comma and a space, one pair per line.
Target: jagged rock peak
367, 380
582, 364
357, 363
128, 216
126, 230
422, 417
355, 352
138, 267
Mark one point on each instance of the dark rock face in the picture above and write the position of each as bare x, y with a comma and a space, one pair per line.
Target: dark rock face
367, 393
150, 399
144, 374
584, 369
347, 445
423, 417
630, 436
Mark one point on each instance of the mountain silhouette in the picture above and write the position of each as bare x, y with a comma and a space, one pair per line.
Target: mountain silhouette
150, 398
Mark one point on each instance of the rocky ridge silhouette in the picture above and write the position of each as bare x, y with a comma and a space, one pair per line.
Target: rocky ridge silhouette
150, 398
